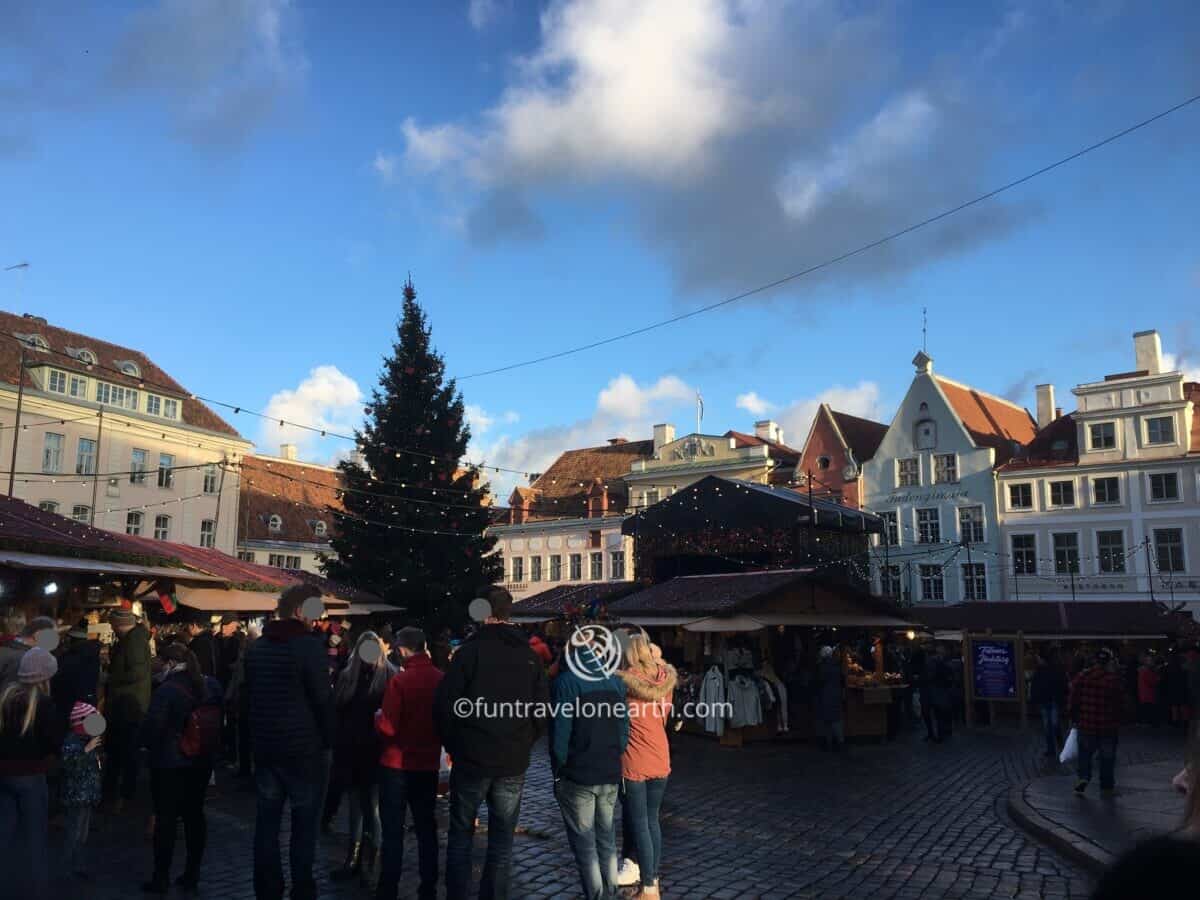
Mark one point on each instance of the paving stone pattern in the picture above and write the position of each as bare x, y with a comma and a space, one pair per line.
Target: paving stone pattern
903, 820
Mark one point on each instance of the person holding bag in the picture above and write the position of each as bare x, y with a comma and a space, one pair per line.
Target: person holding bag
182, 731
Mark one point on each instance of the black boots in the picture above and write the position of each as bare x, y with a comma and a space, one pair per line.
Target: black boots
367, 860
352, 866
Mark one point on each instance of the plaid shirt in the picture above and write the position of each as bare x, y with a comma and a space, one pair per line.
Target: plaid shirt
1096, 701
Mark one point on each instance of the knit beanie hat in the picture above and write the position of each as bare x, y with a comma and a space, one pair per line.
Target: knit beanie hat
79, 712
121, 617
37, 665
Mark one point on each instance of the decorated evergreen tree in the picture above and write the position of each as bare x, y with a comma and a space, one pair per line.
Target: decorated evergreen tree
412, 530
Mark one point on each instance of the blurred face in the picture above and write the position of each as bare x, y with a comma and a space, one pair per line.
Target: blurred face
228, 629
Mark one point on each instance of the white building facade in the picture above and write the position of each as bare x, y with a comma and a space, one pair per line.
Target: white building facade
932, 480
1106, 503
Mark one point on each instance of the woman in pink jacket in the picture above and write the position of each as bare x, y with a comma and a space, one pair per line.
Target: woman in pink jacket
646, 763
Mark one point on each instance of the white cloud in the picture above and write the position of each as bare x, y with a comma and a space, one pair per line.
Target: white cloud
327, 399
481, 13
1190, 367
384, 165
860, 400
623, 409
753, 404
481, 420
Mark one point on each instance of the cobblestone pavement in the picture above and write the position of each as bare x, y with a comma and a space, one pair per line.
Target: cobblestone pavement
902, 820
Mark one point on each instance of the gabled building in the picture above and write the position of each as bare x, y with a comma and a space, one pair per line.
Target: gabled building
108, 438
564, 528
932, 480
832, 459
676, 463
286, 519
1105, 502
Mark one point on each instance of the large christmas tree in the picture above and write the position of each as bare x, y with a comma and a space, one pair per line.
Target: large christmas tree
412, 530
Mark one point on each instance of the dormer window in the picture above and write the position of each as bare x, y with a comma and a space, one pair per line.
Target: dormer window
35, 342
85, 356
130, 368
275, 524
319, 528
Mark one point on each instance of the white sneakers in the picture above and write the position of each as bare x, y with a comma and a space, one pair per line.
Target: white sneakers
629, 873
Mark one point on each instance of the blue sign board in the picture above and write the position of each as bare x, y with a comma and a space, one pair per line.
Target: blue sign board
995, 668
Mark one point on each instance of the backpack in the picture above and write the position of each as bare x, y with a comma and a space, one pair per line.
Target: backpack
202, 733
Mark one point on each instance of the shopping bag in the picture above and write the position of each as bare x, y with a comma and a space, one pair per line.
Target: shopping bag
444, 766
1071, 749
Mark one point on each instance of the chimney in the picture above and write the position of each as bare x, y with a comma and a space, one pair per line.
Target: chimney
289, 451
597, 499
518, 508
768, 431
663, 435
1045, 405
1147, 352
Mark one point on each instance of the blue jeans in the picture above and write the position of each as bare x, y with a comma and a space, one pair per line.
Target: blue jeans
400, 791
642, 803
1106, 746
503, 796
24, 823
299, 784
588, 813
1050, 728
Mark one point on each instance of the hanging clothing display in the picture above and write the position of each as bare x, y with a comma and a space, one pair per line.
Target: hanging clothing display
712, 694
743, 697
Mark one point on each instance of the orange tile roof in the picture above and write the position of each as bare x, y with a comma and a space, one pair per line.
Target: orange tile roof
562, 489
298, 493
863, 436
990, 421
60, 340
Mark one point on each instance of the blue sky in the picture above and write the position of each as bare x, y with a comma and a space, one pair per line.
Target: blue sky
239, 188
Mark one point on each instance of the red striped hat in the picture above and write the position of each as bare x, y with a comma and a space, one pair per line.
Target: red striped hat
79, 712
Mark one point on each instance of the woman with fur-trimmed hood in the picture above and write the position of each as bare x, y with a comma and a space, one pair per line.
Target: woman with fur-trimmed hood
646, 763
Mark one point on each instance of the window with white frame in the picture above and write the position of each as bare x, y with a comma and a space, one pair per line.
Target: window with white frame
535, 568
974, 576
116, 395
889, 578
52, 447
970, 524
1062, 493
81, 513
137, 466
275, 523
1020, 496
908, 472
929, 527
1164, 487
1066, 552
555, 567
85, 457
1106, 490
208, 534
166, 470
277, 560
154, 404
131, 369
576, 567
210, 478
87, 357
651, 497
597, 564
77, 386
616, 561
945, 468
170, 409
1024, 554
320, 529
48, 506
246, 555
1102, 435
933, 589
891, 528
1160, 430
133, 523
1110, 548
57, 381
518, 569
293, 562
162, 527
1168, 549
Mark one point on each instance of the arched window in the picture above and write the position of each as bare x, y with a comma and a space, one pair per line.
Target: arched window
37, 342
320, 529
87, 357
275, 523
822, 462
131, 369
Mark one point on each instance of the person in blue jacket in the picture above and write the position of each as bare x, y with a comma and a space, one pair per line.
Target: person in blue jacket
588, 734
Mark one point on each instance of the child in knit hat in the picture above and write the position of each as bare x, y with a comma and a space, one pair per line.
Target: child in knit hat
81, 783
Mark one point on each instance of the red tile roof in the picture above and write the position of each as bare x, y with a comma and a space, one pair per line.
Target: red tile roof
299, 493
27, 528
778, 451
1054, 446
863, 436
108, 355
562, 489
990, 421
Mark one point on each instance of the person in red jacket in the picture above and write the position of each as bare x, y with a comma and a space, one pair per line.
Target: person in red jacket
1096, 706
408, 765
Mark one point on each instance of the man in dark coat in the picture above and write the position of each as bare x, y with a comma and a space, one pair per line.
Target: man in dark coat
476, 709
127, 696
78, 678
202, 643
291, 721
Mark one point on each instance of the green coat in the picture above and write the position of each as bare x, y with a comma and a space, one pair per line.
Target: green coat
128, 692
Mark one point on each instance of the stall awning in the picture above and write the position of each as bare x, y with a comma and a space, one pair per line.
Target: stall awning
21, 560
219, 600
832, 620
369, 609
656, 621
